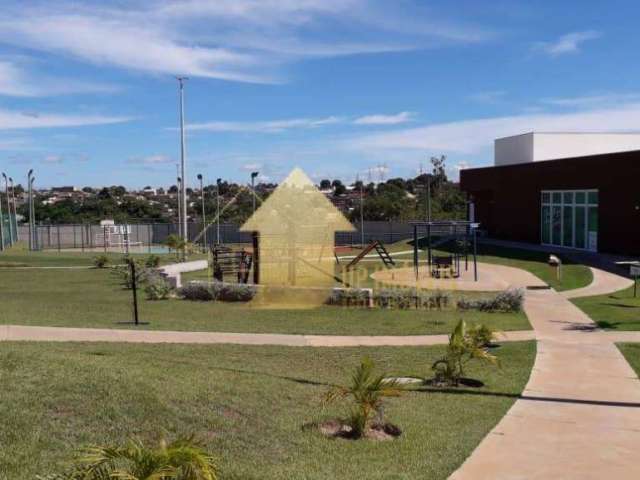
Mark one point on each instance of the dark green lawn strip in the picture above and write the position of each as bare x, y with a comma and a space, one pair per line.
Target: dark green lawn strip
92, 298
631, 352
248, 404
616, 311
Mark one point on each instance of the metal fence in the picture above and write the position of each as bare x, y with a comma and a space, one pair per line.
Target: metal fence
150, 237
8, 230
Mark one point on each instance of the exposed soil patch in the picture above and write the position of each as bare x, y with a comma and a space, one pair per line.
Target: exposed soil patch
336, 428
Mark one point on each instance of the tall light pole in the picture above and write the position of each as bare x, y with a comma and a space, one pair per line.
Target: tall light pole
204, 219
428, 191
218, 182
179, 202
30, 209
183, 173
362, 214
32, 218
6, 192
253, 189
15, 213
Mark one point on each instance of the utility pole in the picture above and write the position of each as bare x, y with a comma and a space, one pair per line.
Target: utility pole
1, 227
253, 178
361, 211
218, 182
30, 209
183, 173
6, 192
204, 220
32, 217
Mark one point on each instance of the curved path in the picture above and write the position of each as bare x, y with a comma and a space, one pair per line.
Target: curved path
62, 334
579, 415
602, 283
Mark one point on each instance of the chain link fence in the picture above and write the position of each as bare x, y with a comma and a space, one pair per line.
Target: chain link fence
8, 230
152, 237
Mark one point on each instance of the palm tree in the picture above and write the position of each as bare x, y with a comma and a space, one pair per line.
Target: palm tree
182, 459
367, 392
465, 344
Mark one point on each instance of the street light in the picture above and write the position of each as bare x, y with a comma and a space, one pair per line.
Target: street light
204, 220
218, 182
32, 217
179, 208
30, 209
15, 213
253, 178
183, 161
6, 192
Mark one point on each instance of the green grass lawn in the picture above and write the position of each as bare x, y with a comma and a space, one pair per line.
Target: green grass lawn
573, 275
631, 352
617, 311
247, 403
93, 298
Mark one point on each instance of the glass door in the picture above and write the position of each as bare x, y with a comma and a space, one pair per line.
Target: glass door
569, 218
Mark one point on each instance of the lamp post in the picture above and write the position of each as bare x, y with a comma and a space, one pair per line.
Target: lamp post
32, 214
218, 182
30, 209
253, 178
179, 202
204, 220
15, 213
183, 174
6, 192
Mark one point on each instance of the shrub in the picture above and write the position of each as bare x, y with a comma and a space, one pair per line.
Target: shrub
349, 297
234, 292
366, 393
123, 272
100, 261
182, 459
156, 287
507, 301
197, 292
464, 345
152, 261
438, 300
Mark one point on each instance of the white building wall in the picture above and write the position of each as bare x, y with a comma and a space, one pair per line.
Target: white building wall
535, 147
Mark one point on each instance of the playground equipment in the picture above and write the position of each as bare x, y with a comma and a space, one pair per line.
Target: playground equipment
228, 261
457, 237
114, 236
382, 252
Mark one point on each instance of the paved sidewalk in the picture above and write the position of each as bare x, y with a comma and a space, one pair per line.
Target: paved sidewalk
603, 283
579, 415
62, 334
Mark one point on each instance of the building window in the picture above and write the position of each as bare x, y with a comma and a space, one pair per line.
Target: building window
569, 218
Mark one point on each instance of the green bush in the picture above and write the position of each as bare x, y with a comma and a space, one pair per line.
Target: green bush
507, 301
406, 298
218, 291
100, 261
197, 292
156, 287
152, 261
349, 297
465, 344
182, 459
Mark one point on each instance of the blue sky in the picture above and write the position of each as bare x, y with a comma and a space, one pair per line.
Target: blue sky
337, 87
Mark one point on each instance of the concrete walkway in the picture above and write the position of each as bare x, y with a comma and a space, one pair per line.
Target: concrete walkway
579, 415
603, 283
63, 334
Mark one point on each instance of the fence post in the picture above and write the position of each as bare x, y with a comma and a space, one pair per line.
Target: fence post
104, 238
149, 230
58, 232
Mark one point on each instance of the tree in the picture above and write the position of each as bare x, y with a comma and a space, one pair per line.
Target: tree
338, 187
325, 184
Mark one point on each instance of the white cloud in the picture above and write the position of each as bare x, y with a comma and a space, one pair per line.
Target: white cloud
595, 100
11, 120
569, 43
491, 96
474, 136
52, 159
381, 119
271, 126
15, 81
237, 40
151, 160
